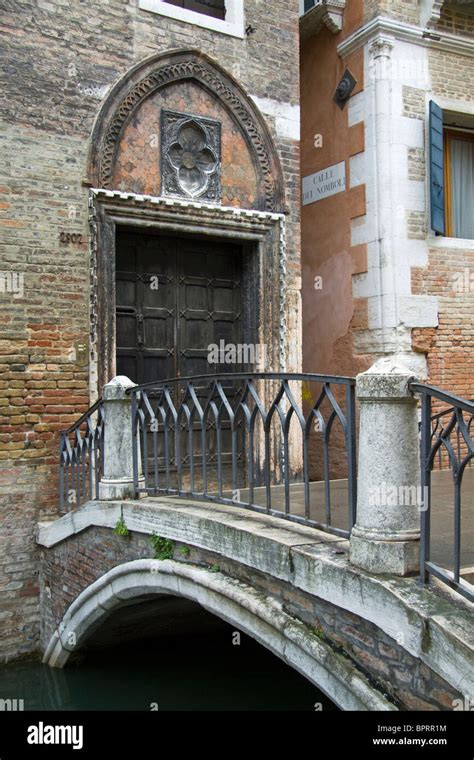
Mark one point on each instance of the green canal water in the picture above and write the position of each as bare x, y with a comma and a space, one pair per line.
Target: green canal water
190, 672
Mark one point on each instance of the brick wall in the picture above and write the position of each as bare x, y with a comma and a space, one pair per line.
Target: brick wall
456, 20
450, 347
413, 102
403, 10
60, 61
416, 164
452, 76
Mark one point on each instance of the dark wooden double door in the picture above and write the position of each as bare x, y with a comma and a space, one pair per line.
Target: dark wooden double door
174, 298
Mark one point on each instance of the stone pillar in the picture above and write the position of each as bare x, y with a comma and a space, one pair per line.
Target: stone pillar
386, 536
117, 479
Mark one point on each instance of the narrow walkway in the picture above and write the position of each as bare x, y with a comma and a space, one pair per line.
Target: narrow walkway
442, 513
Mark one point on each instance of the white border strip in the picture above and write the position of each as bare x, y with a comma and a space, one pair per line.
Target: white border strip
166, 201
233, 23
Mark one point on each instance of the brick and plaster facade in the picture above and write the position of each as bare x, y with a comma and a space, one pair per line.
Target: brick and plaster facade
71, 69
389, 283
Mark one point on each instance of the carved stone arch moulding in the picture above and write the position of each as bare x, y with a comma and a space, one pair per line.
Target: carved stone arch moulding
157, 72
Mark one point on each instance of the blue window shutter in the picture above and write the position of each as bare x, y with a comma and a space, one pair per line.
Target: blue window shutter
436, 168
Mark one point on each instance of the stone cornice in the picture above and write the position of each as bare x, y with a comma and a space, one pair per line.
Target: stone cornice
437, 40
325, 12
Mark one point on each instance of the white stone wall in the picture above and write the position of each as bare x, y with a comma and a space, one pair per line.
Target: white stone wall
390, 196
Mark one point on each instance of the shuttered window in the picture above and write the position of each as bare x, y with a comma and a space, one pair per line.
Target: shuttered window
214, 8
451, 156
436, 168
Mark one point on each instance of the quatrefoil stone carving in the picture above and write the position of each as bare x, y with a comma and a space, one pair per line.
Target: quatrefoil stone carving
190, 156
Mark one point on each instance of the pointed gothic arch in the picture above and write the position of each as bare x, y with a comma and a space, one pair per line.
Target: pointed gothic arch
158, 72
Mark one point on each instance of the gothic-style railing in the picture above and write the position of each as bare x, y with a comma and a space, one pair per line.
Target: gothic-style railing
81, 458
282, 444
445, 437
438, 423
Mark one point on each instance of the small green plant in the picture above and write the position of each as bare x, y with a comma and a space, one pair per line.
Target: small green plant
214, 569
185, 551
163, 547
120, 527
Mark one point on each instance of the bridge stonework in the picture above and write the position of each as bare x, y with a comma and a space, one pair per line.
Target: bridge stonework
288, 586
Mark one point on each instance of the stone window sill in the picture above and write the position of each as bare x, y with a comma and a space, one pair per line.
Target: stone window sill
233, 24
440, 241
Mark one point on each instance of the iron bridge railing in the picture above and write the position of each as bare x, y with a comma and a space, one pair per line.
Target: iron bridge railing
446, 444
81, 458
282, 444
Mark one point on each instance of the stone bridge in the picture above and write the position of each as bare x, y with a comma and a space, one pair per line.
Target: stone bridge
349, 610
370, 642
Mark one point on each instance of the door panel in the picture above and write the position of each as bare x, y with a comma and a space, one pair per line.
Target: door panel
175, 297
165, 332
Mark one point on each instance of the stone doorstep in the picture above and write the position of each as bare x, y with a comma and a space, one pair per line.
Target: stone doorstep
433, 626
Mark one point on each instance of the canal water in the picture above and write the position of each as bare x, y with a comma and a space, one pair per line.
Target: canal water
220, 669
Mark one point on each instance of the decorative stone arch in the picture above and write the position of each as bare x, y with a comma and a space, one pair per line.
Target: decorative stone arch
159, 71
261, 617
257, 218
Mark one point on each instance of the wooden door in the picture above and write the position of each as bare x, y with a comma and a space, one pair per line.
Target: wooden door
175, 297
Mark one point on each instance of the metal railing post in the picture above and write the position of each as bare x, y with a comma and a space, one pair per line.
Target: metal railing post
425, 446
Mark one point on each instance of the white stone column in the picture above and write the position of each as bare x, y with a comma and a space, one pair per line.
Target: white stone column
386, 536
117, 479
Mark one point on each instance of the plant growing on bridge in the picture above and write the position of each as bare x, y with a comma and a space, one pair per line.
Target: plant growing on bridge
318, 631
163, 547
185, 551
121, 528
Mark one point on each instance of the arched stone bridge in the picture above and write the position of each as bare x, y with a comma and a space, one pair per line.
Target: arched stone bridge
370, 642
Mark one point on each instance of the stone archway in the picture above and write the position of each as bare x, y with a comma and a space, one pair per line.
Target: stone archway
156, 74
261, 617
129, 169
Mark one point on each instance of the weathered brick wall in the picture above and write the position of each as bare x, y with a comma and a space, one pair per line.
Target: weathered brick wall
403, 10
450, 347
70, 566
452, 76
413, 102
416, 164
60, 60
456, 20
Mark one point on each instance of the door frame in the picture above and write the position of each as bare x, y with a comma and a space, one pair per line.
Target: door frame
264, 285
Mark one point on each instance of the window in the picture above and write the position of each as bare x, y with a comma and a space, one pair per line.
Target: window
452, 173
214, 8
459, 183
225, 16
